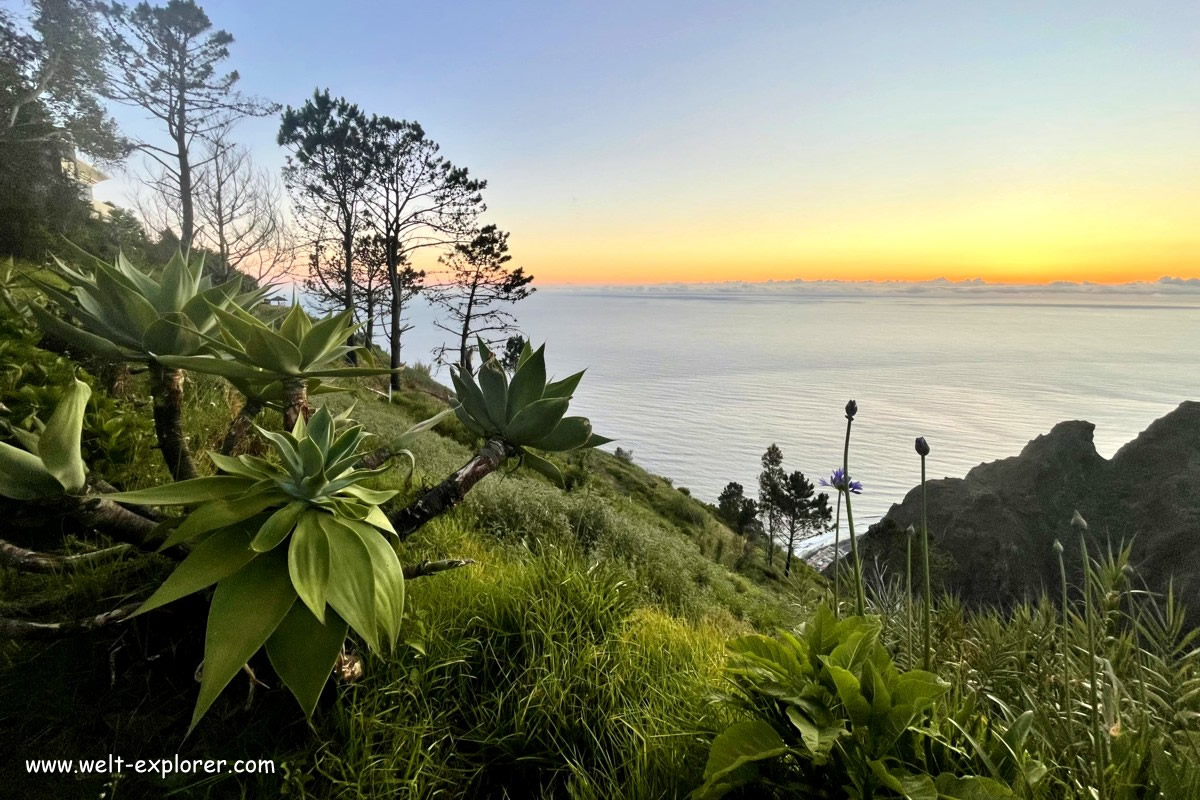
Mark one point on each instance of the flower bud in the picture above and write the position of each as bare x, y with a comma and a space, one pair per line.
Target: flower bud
910, 530
851, 409
1077, 521
922, 447
1058, 548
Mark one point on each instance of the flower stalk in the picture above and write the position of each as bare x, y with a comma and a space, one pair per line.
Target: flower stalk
1078, 522
922, 448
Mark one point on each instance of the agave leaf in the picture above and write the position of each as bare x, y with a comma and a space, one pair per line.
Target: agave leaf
471, 400
303, 651
236, 322
596, 440
182, 493
536, 420
468, 421
570, 433
218, 556
308, 562
378, 519
526, 352
176, 287
389, 580
124, 308
410, 435
295, 324
277, 526
77, 337
221, 513
320, 430
528, 383
28, 439
348, 372
375, 497
59, 442
199, 309
351, 579
493, 383
23, 476
171, 334
564, 388
485, 352
543, 466
246, 609
323, 337
213, 365
235, 466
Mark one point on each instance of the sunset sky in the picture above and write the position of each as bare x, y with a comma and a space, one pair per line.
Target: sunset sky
638, 142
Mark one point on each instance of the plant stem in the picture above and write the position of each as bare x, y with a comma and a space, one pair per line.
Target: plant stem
928, 599
909, 602
1094, 690
240, 425
860, 598
166, 387
450, 492
1066, 647
295, 402
837, 554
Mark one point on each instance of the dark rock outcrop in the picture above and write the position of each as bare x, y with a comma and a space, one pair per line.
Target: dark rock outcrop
993, 531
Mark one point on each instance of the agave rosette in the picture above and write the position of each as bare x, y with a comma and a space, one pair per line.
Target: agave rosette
528, 412
253, 350
51, 463
126, 314
297, 551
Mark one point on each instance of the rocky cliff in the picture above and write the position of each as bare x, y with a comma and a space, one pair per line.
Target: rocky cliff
993, 531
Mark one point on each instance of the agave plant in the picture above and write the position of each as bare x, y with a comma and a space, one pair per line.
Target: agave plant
292, 355
297, 551
528, 412
51, 463
126, 314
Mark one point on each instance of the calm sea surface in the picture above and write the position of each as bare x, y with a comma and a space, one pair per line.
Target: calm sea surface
697, 385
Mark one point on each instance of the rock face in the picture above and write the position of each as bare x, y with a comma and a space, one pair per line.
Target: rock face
993, 532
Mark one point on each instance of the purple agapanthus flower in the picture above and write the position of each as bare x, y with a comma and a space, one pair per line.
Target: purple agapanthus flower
838, 481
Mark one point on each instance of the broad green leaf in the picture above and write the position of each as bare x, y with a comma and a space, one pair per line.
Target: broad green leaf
493, 383
850, 693
323, 337
308, 562
595, 441
176, 285
303, 651
171, 335
320, 430
570, 433
952, 787
564, 388
213, 365
378, 519
471, 400
375, 497
351, 579
743, 743
246, 609
295, 324
908, 786
59, 443
220, 513
348, 372
199, 309
277, 526
23, 477
218, 556
410, 435
272, 352
77, 337
389, 580
189, 492
917, 688
542, 466
124, 307
528, 383
233, 465
535, 421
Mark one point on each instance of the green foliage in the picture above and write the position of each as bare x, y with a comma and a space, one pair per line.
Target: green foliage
52, 461
295, 551
126, 314
832, 709
527, 412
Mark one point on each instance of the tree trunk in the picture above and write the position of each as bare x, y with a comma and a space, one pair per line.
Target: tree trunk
105, 516
450, 492
348, 276
240, 426
394, 328
787, 567
166, 386
295, 402
187, 214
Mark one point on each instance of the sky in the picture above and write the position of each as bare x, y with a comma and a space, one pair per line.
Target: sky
649, 142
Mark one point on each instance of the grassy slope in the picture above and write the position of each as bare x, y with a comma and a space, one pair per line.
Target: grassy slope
577, 657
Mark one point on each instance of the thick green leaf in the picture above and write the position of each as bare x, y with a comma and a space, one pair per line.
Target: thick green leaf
277, 526
471, 399
303, 651
220, 513
23, 476
564, 388
295, 324
528, 383
189, 492
351, 579
535, 421
323, 337
272, 352
908, 786
171, 335
214, 365
952, 787
176, 286
743, 743
542, 466
570, 433
595, 441
218, 556
59, 443
246, 609
858, 709
77, 337
308, 562
124, 307
389, 580
493, 383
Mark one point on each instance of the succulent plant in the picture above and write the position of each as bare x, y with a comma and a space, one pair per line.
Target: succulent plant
528, 412
298, 553
297, 348
126, 314
51, 463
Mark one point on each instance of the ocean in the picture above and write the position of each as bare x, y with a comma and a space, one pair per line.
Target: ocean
697, 381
